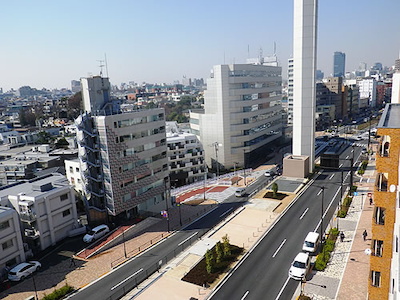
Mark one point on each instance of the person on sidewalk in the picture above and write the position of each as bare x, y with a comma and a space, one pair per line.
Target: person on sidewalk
370, 201
72, 262
342, 236
365, 234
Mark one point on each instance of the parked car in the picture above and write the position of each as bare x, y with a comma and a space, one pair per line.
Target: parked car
96, 233
300, 266
240, 192
23, 270
311, 242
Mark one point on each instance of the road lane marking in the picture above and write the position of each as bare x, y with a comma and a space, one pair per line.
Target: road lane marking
245, 295
127, 278
226, 212
184, 241
279, 248
319, 193
341, 165
282, 289
331, 176
347, 157
327, 208
301, 217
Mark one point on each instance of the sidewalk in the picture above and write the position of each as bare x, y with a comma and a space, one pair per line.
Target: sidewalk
348, 270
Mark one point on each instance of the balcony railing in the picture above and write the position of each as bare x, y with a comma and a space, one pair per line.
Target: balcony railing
27, 216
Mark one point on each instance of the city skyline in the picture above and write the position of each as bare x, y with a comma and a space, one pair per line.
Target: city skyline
47, 44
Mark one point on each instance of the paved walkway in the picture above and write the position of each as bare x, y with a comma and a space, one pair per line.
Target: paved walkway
346, 276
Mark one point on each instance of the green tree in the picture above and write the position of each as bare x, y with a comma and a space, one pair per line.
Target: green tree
62, 143
44, 138
226, 245
274, 188
210, 261
219, 249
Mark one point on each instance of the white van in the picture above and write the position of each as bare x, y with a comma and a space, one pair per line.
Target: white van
96, 233
311, 242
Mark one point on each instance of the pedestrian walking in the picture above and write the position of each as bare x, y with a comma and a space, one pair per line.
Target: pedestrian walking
365, 234
370, 201
72, 262
342, 236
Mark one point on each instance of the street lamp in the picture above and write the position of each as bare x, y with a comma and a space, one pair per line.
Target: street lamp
180, 214
216, 148
244, 166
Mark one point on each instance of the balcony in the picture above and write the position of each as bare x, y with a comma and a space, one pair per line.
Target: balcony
382, 182
27, 216
32, 233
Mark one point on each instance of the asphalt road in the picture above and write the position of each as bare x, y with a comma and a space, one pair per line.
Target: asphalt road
128, 275
263, 274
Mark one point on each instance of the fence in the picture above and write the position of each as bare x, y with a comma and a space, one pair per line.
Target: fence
135, 279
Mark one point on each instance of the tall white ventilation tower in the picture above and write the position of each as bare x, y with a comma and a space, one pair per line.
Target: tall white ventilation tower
304, 98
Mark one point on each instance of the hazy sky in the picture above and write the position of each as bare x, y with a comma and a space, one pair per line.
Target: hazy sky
49, 43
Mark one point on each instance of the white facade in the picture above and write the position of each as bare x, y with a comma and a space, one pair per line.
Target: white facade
290, 92
12, 248
242, 113
73, 173
367, 90
95, 93
185, 156
395, 88
304, 89
46, 207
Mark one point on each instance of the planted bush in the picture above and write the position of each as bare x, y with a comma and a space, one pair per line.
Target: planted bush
324, 256
59, 293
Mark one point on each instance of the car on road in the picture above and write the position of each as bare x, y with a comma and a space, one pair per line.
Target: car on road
240, 192
23, 270
96, 233
270, 173
311, 242
300, 266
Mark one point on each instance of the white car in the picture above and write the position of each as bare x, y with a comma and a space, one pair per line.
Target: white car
23, 270
300, 266
96, 233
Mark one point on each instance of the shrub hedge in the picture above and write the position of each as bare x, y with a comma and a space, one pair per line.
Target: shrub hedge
329, 245
59, 293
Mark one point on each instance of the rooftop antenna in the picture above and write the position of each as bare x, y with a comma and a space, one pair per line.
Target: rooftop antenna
101, 65
105, 60
261, 56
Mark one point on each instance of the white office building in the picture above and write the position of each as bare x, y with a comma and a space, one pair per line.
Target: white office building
367, 90
185, 156
123, 156
242, 116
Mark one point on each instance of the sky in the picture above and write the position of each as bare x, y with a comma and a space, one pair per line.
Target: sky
49, 43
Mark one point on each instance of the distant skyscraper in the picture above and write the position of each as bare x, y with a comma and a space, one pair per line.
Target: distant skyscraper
75, 86
319, 75
339, 62
304, 57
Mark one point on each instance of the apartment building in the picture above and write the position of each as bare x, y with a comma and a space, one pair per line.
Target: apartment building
123, 156
46, 208
384, 261
242, 116
185, 156
12, 249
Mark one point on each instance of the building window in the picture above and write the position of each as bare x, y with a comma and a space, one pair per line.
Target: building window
4, 225
66, 212
377, 248
376, 278
379, 215
7, 244
77, 169
64, 197
71, 169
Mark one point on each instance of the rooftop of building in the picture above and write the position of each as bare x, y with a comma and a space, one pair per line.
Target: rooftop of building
390, 117
35, 187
